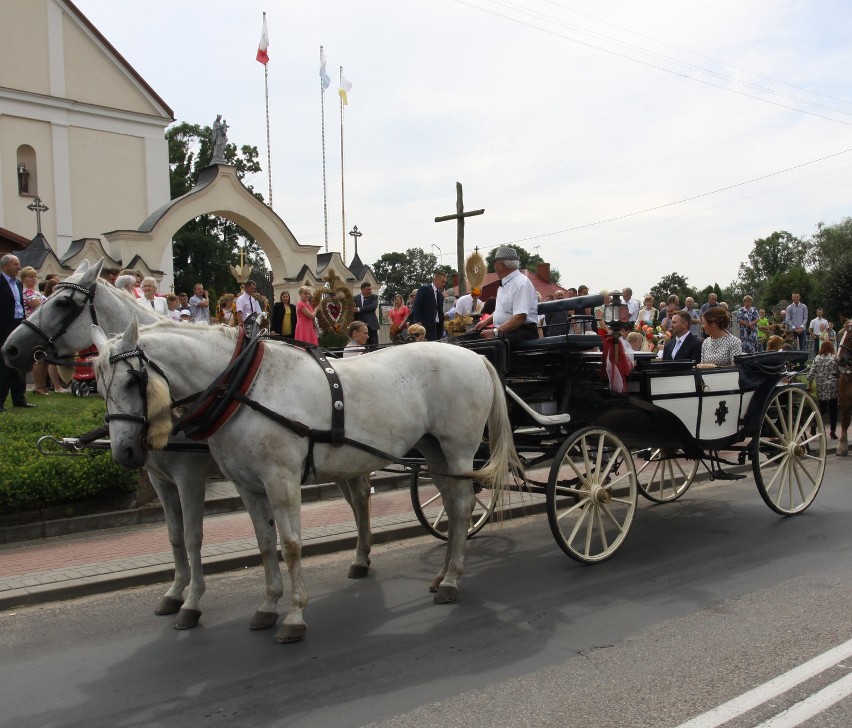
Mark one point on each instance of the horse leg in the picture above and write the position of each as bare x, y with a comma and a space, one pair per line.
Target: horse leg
285, 499
260, 512
356, 491
168, 495
191, 489
845, 417
459, 501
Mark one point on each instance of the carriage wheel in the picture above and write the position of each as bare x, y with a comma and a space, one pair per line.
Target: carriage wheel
591, 495
429, 506
664, 474
787, 460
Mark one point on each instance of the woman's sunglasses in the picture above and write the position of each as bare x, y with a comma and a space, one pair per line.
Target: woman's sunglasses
417, 336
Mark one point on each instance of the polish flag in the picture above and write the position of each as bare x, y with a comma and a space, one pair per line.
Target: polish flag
262, 55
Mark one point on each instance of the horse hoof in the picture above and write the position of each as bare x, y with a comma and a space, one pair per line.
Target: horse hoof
290, 633
446, 594
168, 605
356, 571
263, 620
187, 619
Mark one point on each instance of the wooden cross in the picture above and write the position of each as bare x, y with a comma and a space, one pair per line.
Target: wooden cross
38, 207
459, 218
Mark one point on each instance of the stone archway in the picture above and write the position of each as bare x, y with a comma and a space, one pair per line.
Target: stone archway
219, 192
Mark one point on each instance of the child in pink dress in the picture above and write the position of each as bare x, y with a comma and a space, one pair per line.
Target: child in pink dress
305, 316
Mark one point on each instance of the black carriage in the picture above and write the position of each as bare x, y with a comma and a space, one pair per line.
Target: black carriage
602, 448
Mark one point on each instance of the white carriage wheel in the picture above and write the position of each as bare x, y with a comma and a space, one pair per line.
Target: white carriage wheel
664, 474
787, 460
429, 506
591, 494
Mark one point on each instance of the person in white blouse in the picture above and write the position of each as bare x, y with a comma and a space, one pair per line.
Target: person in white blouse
150, 299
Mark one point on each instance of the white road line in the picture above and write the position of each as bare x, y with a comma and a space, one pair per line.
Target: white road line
812, 705
777, 686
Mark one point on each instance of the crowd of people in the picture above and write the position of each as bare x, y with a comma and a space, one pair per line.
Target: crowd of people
710, 334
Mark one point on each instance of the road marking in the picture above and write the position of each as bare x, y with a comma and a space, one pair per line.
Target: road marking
812, 705
777, 686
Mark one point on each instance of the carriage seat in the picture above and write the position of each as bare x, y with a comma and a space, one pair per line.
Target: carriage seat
569, 342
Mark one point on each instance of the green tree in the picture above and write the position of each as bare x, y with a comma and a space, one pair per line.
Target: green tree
835, 288
779, 288
771, 256
701, 298
403, 272
204, 247
672, 283
829, 244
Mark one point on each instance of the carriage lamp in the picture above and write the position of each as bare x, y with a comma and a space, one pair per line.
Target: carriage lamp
616, 315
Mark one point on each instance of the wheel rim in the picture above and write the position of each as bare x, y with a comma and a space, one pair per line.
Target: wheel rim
664, 475
430, 511
789, 462
591, 495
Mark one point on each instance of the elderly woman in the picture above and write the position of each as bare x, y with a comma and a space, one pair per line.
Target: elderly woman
150, 299
33, 298
720, 347
747, 318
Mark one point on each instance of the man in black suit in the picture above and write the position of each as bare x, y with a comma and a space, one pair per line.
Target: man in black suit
11, 315
683, 346
365, 310
428, 308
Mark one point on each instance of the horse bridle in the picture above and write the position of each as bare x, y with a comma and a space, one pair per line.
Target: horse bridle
138, 376
847, 332
51, 353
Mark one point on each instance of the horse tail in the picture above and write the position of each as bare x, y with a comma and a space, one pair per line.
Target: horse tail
503, 458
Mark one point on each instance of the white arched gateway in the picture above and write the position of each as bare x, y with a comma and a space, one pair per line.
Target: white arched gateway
220, 192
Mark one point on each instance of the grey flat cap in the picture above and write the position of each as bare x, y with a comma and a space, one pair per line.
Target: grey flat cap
504, 252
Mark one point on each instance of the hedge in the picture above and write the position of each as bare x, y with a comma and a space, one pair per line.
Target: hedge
29, 480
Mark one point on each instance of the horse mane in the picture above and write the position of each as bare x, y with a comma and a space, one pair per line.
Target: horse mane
159, 411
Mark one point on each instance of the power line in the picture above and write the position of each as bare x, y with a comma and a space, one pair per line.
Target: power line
670, 71
686, 199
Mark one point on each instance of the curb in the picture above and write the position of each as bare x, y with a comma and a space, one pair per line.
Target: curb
148, 575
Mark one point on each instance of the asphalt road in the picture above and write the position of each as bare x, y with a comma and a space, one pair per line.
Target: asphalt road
709, 597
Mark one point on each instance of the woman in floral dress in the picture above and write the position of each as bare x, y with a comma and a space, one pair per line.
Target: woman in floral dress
747, 318
824, 370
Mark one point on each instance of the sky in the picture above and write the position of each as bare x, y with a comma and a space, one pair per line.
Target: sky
622, 141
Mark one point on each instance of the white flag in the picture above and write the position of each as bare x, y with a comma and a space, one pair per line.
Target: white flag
324, 79
344, 89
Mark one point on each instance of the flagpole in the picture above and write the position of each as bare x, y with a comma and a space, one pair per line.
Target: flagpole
268, 145
324, 184
342, 184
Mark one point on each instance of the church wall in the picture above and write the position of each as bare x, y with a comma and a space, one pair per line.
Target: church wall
91, 77
108, 181
15, 131
23, 44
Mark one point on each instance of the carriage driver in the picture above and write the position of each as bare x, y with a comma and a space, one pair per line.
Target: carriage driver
516, 313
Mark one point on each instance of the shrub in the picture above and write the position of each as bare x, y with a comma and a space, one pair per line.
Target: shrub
30, 480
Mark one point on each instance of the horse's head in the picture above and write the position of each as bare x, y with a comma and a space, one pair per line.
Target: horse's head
844, 344
137, 396
57, 328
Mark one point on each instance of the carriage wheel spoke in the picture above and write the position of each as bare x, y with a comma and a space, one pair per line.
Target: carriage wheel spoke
612, 518
778, 434
438, 518
582, 476
568, 511
583, 513
617, 480
610, 465
600, 453
601, 530
431, 500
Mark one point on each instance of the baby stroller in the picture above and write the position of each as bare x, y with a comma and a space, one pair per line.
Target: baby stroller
83, 382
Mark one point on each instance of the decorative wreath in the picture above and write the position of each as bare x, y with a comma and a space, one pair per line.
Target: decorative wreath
334, 305
458, 325
475, 270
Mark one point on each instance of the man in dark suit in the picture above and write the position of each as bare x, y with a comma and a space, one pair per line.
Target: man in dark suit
683, 346
428, 308
365, 310
11, 315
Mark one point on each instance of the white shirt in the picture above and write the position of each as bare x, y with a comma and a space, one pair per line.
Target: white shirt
516, 295
158, 304
464, 305
632, 309
816, 325
247, 305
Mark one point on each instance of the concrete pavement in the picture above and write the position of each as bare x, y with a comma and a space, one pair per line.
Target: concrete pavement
64, 567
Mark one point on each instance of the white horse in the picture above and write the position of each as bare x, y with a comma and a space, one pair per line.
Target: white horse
409, 386
63, 325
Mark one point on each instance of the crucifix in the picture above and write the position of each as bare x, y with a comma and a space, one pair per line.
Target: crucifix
355, 233
459, 218
38, 207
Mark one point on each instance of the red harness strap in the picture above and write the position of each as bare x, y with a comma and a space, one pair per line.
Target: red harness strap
220, 404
